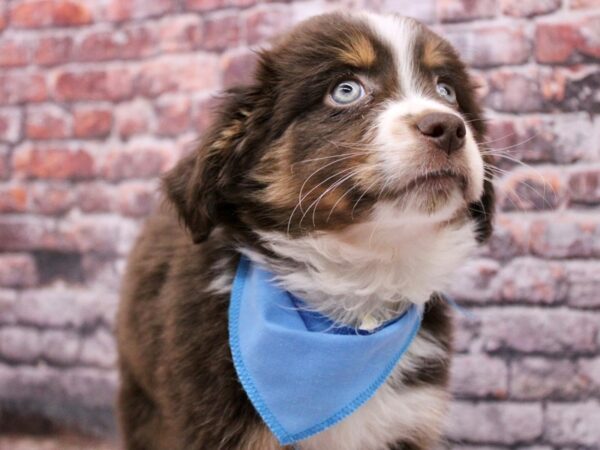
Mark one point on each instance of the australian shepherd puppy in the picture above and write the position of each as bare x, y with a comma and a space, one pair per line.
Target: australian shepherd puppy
351, 168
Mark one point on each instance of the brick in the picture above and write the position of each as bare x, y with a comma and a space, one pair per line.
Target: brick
501, 423
573, 423
537, 330
472, 281
208, 5
560, 138
511, 237
584, 185
512, 91
94, 84
588, 369
22, 87
572, 235
584, 284
180, 33
79, 307
23, 233
3, 17
13, 199
123, 10
126, 43
529, 8
41, 198
105, 235
138, 159
531, 190
19, 344
4, 162
10, 124
131, 198
47, 122
43, 13
238, 67
61, 347
137, 199
478, 47
13, 53
104, 272
572, 140
581, 4
463, 10
53, 161
540, 378
264, 23
50, 198
8, 300
221, 30
424, 11
479, 376
568, 42
92, 121
575, 90
173, 115
530, 280
17, 270
131, 118
172, 73
51, 50
96, 197
79, 398
99, 350
466, 330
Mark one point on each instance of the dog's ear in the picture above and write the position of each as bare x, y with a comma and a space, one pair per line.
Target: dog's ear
195, 185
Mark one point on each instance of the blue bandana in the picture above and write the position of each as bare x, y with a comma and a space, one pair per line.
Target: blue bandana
302, 373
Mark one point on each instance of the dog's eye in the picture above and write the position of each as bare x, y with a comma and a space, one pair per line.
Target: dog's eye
347, 92
446, 92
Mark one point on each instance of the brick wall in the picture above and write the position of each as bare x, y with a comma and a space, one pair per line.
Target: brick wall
98, 97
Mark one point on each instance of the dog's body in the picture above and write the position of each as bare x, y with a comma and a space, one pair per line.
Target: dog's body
349, 193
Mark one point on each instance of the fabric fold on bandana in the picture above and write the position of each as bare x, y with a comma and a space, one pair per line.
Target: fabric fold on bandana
302, 373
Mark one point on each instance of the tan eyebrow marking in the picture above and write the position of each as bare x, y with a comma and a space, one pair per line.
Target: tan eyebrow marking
433, 53
358, 52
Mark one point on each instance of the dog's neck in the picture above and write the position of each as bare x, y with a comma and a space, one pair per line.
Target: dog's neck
368, 274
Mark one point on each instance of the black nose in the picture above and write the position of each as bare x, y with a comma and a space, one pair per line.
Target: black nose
446, 131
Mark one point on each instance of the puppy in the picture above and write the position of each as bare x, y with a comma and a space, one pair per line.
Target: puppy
351, 169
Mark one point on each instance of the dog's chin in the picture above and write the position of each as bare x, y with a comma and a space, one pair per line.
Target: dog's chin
434, 199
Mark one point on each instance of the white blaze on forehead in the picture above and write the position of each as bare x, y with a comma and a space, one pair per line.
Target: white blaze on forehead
400, 34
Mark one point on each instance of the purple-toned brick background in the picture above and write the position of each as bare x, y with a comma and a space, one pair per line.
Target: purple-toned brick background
98, 97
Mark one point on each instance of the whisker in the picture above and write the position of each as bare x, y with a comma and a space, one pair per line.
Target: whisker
328, 157
315, 203
299, 204
313, 174
360, 198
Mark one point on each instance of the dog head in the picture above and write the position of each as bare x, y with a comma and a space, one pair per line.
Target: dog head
351, 120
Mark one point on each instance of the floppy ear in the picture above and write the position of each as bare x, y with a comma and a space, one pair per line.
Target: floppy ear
196, 184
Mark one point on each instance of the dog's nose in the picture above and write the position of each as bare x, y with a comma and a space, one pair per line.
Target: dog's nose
446, 131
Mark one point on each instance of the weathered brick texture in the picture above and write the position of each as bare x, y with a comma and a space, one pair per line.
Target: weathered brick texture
99, 97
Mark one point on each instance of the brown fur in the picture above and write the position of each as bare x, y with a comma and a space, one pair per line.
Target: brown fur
179, 388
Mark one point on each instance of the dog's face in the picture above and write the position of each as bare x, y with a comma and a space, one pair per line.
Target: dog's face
352, 119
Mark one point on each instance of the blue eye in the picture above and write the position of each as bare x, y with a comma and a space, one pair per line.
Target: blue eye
347, 92
446, 92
